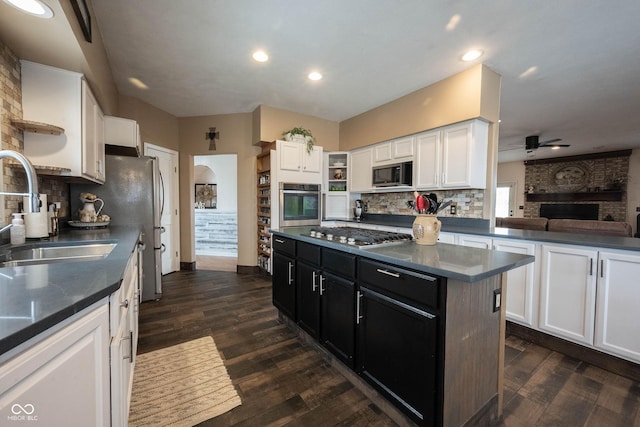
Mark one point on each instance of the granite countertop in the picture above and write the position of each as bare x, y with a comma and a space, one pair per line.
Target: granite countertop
452, 261
34, 298
482, 227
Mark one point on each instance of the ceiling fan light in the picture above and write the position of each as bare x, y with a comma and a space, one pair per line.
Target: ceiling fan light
260, 56
314, 75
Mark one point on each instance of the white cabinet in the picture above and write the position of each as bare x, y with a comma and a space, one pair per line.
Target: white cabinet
295, 164
64, 379
453, 157
568, 292
122, 132
618, 304
401, 149
522, 289
445, 237
62, 98
360, 170
124, 305
475, 241
335, 188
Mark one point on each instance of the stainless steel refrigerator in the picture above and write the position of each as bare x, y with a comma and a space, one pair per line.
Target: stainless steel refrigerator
132, 195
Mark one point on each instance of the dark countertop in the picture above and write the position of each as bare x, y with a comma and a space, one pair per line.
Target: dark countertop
36, 297
452, 261
481, 228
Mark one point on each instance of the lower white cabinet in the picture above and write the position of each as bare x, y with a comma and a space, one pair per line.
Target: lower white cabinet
62, 380
445, 237
475, 241
568, 292
522, 289
124, 331
618, 305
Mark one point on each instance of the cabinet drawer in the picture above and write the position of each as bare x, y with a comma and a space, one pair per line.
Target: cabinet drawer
339, 263
308, 252
407, 286
284, 245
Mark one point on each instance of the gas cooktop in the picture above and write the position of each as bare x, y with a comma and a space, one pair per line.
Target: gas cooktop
358, 236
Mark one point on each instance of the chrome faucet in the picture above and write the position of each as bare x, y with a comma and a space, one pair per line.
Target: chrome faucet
32, 180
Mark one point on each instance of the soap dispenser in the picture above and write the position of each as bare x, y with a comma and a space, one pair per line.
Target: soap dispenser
18, 232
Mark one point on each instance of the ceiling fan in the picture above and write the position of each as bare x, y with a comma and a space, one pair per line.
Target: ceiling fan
533, 142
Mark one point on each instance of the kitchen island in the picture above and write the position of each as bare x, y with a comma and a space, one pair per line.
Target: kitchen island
422, 325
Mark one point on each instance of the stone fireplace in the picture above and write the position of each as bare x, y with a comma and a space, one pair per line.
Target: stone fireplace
578, 187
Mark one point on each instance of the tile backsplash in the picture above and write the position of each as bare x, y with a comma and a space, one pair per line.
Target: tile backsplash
470, 202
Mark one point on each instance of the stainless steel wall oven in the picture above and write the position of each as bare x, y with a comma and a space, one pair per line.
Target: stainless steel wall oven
300, 204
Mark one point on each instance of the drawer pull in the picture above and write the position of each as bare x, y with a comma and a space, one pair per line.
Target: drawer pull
279, 240
388, 273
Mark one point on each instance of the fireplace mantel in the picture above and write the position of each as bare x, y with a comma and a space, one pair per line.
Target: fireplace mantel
606, 196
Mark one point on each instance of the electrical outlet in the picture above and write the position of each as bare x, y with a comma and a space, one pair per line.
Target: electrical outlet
497, 299
453, 209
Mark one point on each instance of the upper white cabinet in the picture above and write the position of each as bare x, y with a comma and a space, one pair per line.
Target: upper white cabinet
360, 170
336, 200
63, 98
122, 132
401, 149
453, 157
295, 164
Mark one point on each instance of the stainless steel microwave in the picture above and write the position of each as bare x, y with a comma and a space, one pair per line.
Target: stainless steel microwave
393, 175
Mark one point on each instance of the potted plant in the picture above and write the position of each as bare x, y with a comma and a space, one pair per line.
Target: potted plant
300, 134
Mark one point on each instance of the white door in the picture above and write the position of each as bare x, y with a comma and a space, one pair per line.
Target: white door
170, 238
505, 199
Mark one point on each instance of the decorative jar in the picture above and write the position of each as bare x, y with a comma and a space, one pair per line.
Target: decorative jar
426, 229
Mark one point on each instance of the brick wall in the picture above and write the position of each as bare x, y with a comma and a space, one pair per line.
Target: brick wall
595, 175
14, 179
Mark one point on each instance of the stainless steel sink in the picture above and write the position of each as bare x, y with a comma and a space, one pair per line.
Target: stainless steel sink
45, 254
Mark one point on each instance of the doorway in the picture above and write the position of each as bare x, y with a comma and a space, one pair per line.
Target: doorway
216, 212
505, 199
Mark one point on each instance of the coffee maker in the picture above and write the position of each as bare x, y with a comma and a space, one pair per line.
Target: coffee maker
358, 210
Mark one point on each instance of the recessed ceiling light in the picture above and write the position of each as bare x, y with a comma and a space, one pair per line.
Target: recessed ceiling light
472, 54
138, 83
314, 75
555, 148
260, 56
32, 7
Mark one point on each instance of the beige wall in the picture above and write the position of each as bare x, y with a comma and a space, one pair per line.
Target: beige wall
235, 138
514, 172
271, 122
454, 99
156, 126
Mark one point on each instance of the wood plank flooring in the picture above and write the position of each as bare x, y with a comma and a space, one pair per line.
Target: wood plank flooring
284, 381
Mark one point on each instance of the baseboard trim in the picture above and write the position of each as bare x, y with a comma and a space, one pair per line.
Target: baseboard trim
188, 266
597, 358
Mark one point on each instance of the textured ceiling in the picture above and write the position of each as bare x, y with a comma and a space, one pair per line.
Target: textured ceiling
195, 56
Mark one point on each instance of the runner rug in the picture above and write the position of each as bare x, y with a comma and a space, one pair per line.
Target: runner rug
181, 385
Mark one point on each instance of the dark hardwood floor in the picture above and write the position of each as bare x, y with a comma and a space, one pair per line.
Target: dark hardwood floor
284, 381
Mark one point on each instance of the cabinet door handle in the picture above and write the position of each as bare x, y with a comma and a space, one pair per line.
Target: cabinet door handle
125, 304
358, 316
388, 273
290, 273
130, 338
279, 241
313, 281
601, 268
590, 266
322, 279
